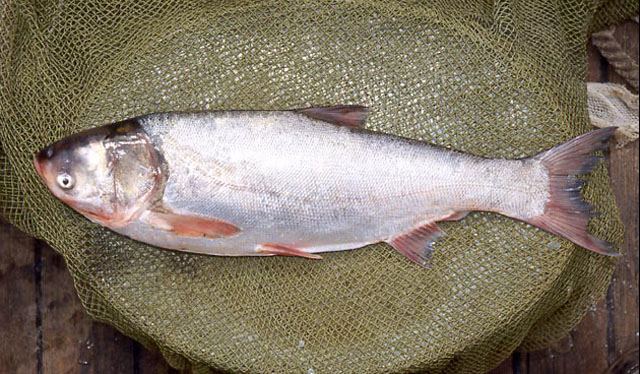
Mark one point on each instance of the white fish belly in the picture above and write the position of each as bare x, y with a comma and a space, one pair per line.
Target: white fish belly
283, 178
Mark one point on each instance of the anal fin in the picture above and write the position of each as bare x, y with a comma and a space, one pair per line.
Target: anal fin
284, 250
416, 243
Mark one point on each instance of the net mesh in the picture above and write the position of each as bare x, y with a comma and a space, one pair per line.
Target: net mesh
611, 104
497, 79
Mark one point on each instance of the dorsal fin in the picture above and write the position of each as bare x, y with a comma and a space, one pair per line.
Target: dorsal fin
340, 115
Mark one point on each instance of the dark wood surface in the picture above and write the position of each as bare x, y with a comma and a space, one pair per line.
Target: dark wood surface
45, 330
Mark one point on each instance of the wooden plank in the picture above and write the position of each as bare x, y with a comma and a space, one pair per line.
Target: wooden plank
623, 313
73, 343
597, 66
19, 338
64, 326
506, 367
623, 296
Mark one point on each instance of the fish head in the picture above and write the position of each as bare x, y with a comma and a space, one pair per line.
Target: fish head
109, 174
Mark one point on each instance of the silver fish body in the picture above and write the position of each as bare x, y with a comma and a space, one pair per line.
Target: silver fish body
289, 183
282, 177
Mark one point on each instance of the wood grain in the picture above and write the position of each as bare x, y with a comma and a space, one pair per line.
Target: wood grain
20, 344
623, 293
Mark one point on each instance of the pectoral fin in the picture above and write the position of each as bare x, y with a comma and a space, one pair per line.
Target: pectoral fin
190, 225
283, 250
416, 244
342, 115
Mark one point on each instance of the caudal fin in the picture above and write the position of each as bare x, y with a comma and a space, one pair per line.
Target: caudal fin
565, 213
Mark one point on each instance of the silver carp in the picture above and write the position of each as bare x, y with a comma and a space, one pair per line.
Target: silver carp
301, 182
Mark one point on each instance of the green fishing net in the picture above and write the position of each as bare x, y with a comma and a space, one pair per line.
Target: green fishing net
497, 79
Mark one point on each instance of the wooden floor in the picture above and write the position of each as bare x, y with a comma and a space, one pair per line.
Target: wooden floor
45, 330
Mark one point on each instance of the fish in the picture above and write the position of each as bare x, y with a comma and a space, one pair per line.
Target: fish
304, 181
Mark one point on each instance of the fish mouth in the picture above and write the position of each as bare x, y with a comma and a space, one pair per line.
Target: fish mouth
39, 159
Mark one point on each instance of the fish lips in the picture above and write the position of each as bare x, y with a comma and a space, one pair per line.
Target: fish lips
40, 161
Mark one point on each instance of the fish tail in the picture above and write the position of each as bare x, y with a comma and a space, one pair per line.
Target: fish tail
566, 214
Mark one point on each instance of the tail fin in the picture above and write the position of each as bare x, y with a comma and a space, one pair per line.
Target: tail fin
565, 213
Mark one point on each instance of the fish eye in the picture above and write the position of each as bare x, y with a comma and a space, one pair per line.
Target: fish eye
65, 181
